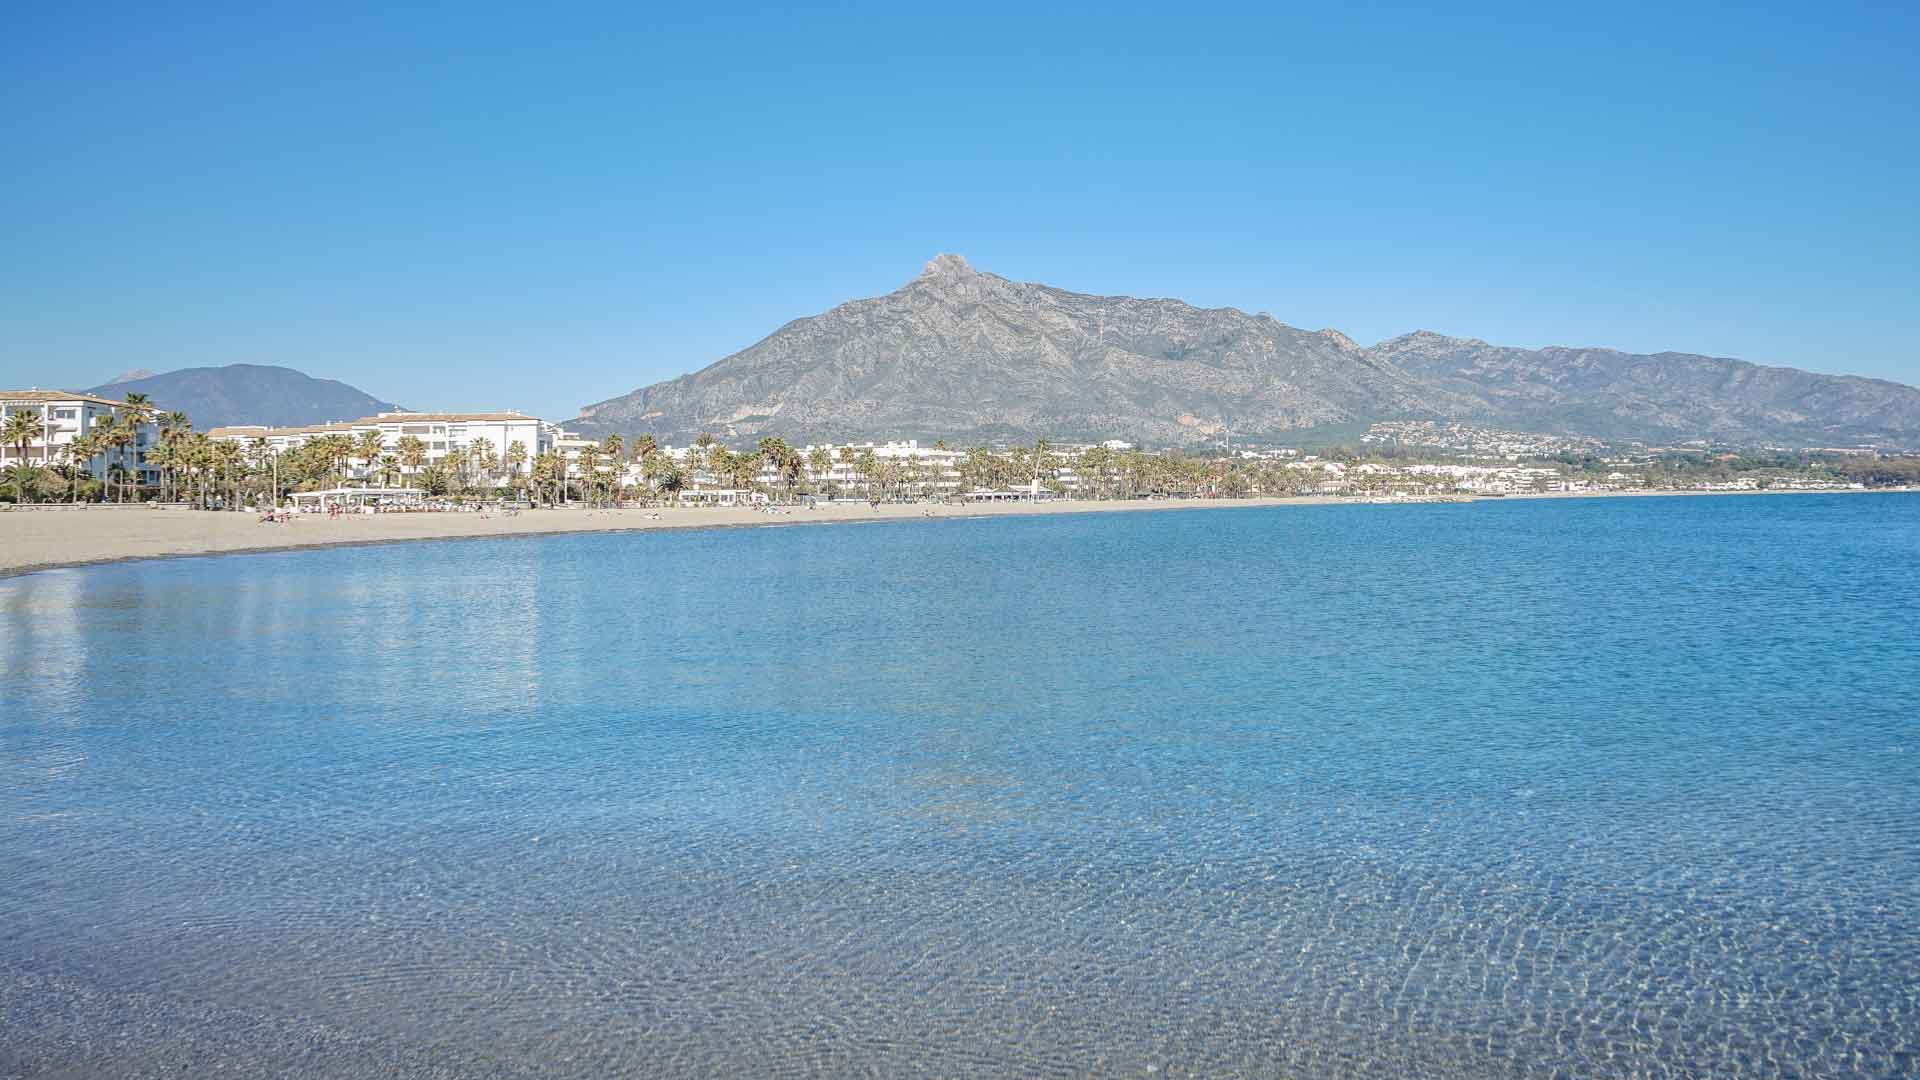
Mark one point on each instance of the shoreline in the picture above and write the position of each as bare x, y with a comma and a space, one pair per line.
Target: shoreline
58, 538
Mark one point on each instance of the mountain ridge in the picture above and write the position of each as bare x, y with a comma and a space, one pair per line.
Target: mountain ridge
963, 354
265, 394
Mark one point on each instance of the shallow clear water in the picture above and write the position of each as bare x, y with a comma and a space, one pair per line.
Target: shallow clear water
1578, 788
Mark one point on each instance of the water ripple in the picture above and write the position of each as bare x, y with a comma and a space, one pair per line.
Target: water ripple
1616, 789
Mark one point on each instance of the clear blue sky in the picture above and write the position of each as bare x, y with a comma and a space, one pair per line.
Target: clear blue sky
540, 206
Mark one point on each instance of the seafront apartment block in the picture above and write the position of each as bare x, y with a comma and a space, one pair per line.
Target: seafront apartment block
441, 433
65, 416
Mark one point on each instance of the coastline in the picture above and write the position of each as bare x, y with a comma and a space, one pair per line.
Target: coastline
53, 538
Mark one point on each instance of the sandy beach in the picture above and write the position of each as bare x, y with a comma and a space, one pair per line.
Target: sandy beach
41, 538
47, 537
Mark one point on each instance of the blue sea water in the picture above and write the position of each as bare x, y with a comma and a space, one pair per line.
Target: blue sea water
1572, 788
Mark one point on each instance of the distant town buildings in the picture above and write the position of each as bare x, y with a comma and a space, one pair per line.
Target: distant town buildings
480, 452
1478, 441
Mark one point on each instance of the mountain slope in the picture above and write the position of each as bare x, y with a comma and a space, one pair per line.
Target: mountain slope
1662, 396
970, 356
250, 394
961, 354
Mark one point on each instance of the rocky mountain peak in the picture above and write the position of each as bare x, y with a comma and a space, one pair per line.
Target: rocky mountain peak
1427, 339
947, 266
963, 354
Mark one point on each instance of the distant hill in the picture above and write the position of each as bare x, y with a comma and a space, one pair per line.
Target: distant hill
970, 356
249, 394
1662, 396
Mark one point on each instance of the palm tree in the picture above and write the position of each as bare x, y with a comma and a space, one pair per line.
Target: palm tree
1042, 462
119, 435
172, 426
80, 450
1092, 468
774, 451
486, 463
885, 479
201, 463
516, 460
745, 468
719, 464
164, 457
792, 468
654, 468
19, 475
226, 464
413, 452
135, 413
646, 451
548, 469
453, 466
433, 480
672, 479
369, 447
262, 462
613, 446
820, 464
20, 428
589, 463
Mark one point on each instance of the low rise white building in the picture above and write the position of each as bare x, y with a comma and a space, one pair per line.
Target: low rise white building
919, 466
65, 416
442, 434
923, 466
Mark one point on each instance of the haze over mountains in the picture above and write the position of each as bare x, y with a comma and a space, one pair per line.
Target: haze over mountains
971, 356
248, 394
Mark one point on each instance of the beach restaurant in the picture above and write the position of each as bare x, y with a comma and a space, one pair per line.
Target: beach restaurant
357, 498
1036, 493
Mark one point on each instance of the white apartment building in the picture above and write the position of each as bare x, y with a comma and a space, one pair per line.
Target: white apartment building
921, 468
931, 466
441, 433
65, 416
570, 446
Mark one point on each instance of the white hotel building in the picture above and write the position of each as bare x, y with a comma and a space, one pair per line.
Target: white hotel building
933, 466
65, 416
442, 433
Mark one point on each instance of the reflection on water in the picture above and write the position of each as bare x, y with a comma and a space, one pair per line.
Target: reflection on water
1581, 788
